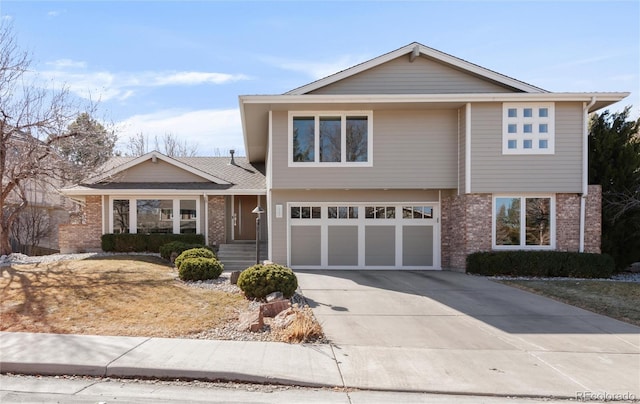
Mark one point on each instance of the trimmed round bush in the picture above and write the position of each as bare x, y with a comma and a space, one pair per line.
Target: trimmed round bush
259, 280
199, 269
193, 253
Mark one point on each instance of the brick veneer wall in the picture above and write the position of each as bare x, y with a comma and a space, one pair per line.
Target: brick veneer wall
217, 220
593, 220
466, 228
568, 221
83, 237
466, 225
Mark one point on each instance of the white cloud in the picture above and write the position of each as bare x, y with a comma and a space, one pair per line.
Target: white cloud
105, 85
66, 64
53, 13
209, 129
317, 70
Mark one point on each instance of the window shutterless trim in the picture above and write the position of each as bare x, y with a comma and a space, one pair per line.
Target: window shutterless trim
523, 239
526, 127
343, 138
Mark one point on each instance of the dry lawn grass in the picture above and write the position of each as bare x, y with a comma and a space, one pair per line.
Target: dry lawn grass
620, 300
133, 296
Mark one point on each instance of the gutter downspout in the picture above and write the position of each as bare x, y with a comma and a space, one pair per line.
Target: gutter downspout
585, 169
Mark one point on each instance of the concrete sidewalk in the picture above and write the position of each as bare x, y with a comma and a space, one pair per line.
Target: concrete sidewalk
471, 372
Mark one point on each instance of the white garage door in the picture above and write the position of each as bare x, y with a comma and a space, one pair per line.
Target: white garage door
359, 236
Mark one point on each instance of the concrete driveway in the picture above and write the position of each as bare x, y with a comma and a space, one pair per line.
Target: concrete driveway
445, 323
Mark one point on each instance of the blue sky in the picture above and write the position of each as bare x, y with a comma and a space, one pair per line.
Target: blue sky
179, 66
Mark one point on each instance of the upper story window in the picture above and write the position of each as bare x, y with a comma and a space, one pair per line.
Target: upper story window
330, 139
528, 128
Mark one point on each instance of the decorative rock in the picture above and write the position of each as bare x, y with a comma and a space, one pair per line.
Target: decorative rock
274, 296
251, 321
272, 309
284, 319
234, 277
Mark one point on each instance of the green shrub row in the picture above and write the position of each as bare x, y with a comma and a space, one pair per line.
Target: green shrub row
178, 247
541, 264
145, 242
260, 280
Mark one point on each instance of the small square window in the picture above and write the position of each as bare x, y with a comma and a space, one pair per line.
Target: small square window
295, 212
512, 112
543, 128
316, 212
543, 144
305, 212
342, 212
527, 112
513, 128
543, 112
528, 128
332, 212
527, 144
513, 144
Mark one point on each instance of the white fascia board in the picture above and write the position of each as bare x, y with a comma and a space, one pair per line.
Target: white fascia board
243, 122
164, 158
427, 98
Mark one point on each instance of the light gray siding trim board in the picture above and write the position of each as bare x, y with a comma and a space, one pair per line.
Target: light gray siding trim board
411, 150
493, 172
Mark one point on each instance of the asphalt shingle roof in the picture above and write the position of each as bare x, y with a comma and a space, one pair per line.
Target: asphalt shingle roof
241, 175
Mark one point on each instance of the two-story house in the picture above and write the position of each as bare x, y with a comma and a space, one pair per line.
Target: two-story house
416, 158
411, 160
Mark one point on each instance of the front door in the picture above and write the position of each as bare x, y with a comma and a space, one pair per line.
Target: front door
244, 222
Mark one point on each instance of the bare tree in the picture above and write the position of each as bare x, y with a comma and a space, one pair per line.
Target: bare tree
138, 145
33, 127
173, 147
31, 226
169, 144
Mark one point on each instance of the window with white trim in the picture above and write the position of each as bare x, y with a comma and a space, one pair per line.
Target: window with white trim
523, 222
528, 128
330, 139
154, 215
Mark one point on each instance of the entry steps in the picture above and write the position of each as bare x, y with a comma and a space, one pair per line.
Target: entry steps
239, 256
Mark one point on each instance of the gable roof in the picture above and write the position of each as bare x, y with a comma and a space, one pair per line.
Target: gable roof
415, 50
126, 163
222, 176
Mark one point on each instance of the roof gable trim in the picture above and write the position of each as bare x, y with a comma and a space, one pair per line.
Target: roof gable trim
415, 49
155, 155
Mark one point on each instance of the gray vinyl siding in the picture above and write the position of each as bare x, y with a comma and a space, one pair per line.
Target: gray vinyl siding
278, 241
422, 76
411, 149
157, 172
462, 149
494, 173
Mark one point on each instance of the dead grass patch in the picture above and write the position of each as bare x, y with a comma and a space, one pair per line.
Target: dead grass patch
130, 296
620, 300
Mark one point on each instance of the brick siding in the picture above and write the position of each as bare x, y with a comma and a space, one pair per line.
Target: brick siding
467, 225
75, 238
217, 220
